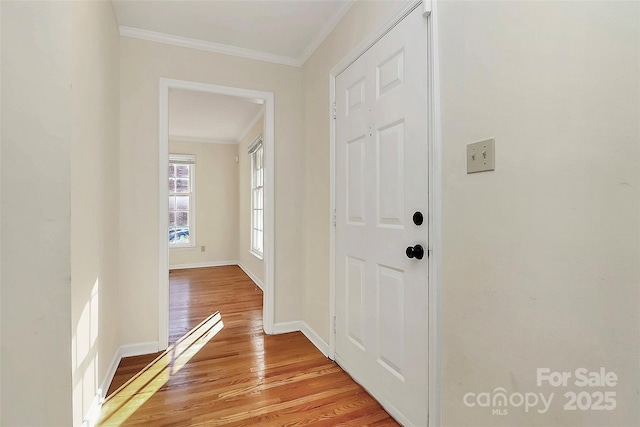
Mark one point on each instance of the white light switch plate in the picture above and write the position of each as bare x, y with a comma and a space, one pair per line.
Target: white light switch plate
481, 156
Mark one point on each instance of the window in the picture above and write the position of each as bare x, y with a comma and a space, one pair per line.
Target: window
181, 201
257, 196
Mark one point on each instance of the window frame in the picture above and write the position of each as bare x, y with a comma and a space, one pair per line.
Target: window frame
188, 159
257, 186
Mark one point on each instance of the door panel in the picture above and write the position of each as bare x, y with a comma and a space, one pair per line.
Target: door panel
355, 301
381, 180
390, 175
355, 181
391, 319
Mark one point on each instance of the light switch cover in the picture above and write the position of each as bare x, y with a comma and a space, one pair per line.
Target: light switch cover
481, 156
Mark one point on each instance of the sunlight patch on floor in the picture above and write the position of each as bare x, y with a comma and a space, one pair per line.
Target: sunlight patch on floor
134, 393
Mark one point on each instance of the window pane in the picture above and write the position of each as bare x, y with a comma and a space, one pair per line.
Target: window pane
259, 241
180, 235
257, 203
182, 185
183, 235
182, 171
179, 205
182, 219
182, 203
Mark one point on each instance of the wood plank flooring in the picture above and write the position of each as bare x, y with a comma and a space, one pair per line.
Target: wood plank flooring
226, 371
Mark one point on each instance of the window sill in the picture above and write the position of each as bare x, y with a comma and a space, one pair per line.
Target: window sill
257, 255
182, 248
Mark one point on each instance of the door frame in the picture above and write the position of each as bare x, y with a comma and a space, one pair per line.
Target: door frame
434, 141
268, 297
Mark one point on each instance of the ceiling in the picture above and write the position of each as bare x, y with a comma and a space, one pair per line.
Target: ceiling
207, 117
285, 32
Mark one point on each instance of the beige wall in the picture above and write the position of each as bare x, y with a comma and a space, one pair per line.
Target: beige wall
247, 260
60, 269
363, 18
36, 146
142, 63
540, 261
216, 198
94, 199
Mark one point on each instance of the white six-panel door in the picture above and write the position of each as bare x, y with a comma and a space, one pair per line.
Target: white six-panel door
381, 181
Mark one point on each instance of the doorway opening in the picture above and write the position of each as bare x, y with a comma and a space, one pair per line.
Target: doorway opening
168, 86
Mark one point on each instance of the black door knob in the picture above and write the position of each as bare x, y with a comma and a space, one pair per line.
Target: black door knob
416, 252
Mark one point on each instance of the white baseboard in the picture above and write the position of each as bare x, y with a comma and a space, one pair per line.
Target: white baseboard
203, 264
315, 339
251, 276
302, 326
244, 268
111, 372
286, 327
138, 349
93, 413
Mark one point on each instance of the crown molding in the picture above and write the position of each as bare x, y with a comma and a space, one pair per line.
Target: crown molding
154, 36
329, 25
183, 138
322, 34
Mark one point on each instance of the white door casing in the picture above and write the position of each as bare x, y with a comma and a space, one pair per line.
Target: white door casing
268, 303
381, 151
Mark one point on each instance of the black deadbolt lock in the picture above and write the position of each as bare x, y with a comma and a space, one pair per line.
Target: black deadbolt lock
418, 219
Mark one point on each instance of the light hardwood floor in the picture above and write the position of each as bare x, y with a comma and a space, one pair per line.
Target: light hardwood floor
226, 371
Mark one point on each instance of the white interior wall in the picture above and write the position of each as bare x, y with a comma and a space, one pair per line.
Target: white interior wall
35, 213
248, 261
216, 201
540, 262
94, 199
142, 63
